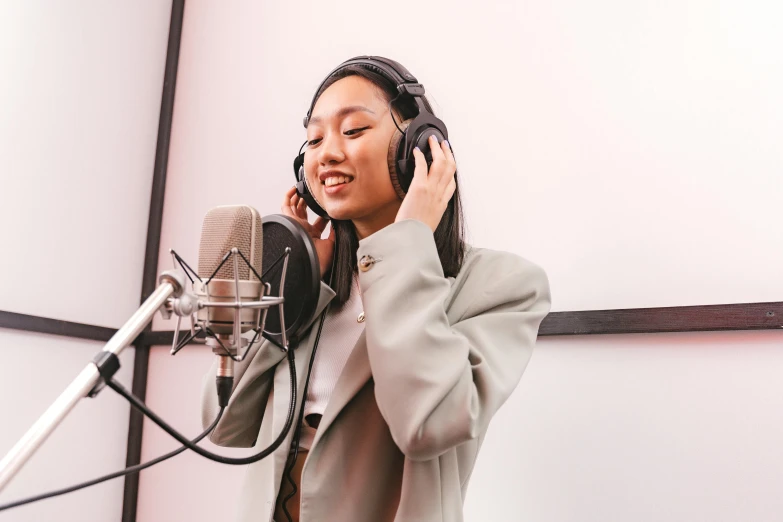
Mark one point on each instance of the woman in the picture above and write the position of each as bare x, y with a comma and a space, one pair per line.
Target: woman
424, 336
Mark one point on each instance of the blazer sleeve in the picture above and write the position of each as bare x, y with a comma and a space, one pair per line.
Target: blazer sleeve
438, 384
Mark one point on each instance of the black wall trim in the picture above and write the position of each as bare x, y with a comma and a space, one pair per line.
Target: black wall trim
163, 337
749, 316
745, 316
149, 281
33, 323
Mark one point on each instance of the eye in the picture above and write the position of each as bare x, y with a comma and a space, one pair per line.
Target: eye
313, 142
355, 131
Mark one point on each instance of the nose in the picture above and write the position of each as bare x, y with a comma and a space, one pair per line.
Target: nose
330, 151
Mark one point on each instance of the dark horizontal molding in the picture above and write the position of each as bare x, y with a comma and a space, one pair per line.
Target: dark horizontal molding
748, 316
34, 323
162, 337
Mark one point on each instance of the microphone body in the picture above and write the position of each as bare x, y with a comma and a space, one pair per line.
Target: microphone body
229, 232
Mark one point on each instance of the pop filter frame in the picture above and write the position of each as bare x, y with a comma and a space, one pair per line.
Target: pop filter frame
302, 280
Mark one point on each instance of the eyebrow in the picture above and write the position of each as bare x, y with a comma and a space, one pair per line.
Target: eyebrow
342, 113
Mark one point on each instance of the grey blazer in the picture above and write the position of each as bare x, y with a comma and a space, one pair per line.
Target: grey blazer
403, 427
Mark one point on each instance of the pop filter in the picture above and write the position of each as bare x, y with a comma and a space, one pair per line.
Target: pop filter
302, 280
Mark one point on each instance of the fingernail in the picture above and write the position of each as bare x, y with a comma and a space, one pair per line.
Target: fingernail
434, 138
417, 148
447, 143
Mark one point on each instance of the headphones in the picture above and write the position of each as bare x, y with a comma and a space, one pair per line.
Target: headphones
409, 135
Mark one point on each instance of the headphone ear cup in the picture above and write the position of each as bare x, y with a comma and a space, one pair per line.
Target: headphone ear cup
400, 180
298, 164
304, 192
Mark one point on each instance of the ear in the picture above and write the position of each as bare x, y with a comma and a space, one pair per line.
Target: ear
395, 154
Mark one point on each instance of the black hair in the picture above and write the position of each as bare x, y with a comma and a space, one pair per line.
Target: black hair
450, 232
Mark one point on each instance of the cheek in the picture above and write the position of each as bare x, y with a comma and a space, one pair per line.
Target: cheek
370, 160
311, 168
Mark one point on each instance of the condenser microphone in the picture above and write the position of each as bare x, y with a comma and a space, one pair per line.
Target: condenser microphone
226, 230
229, 265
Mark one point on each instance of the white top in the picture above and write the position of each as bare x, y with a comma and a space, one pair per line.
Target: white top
340, 333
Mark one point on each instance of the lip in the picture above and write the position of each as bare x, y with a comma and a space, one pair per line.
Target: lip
335, 189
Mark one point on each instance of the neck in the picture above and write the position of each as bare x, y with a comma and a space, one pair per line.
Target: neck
381, 218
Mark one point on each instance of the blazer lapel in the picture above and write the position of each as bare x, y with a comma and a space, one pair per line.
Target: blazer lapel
354, 376
302, 353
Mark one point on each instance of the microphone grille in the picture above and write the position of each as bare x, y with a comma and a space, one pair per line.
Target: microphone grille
227, 227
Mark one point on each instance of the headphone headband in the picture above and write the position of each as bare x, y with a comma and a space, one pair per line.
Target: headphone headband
406, 83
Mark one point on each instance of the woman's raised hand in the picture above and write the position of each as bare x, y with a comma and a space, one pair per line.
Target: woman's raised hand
429, 193
295, 207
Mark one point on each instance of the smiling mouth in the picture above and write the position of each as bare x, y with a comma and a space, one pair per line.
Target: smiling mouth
336, 180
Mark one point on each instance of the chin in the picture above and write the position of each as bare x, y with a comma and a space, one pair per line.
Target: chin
340, 212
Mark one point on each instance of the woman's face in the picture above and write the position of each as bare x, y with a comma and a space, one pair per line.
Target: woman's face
345, 161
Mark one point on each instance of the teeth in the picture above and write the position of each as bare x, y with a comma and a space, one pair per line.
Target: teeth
336, 180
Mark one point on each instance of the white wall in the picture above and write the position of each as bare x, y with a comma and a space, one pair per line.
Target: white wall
187, 487
89, 443
79, 106
649, 428
641, 140
80, 92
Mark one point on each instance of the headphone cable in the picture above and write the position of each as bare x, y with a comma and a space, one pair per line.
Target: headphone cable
297, 434
126, 471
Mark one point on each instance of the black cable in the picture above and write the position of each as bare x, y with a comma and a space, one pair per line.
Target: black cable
298, 433
187, 444
392, 114
126, 471
136, 402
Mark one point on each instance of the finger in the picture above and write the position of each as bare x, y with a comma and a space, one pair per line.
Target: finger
449, 165
447, 152
420, 172
288, 196
292, 201
437, 152
301, 208
296, 200
437, 170
319, 225
285, 209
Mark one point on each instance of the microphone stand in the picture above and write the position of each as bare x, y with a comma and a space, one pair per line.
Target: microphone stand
95, 375
92, 378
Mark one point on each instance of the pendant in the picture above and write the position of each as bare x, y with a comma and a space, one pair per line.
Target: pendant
360, 319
